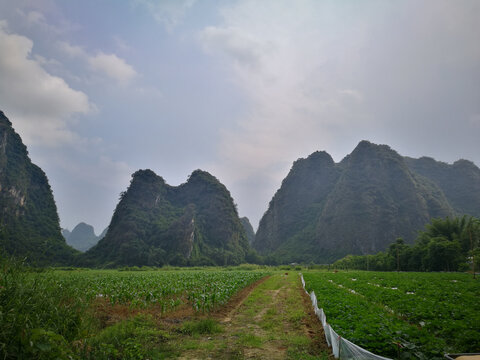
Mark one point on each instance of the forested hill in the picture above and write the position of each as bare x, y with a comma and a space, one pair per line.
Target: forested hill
248, 229
29, 223
325, 210
460, 182
195, 223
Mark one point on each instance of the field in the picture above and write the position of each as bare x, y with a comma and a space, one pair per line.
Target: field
232, 313
109, 314
401, 315
167, 290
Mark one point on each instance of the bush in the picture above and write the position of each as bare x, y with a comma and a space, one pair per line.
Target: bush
36, 319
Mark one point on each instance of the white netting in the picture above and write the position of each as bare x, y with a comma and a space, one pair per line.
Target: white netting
326, 330
335, 339
349, 350
313, 297
303, 284
342, 348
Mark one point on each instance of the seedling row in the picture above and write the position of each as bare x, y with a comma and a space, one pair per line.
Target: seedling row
203, 290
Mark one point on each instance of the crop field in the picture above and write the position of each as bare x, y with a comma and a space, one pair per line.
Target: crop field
203, 290
401, 315
109, 314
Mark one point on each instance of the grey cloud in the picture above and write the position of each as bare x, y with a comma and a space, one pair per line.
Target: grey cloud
167, 12
329, 74
109, 65
40, 104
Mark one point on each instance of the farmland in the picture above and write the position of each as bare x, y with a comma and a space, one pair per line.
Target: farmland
109, 314
202, 290
401, 315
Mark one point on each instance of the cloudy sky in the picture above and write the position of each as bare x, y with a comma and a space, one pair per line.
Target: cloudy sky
99, 89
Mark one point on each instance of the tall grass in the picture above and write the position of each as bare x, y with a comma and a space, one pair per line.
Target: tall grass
38, 319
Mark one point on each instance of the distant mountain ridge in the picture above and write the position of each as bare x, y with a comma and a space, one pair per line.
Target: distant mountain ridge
460, 182
324, 211
82, 237
195, 223
29, 223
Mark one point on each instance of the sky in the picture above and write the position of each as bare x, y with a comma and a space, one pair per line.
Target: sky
100, 89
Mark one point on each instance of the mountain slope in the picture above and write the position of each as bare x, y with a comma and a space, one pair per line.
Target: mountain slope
29, 223
82, 237
460, 182
155, 223
248, 229
324, 210
298, 202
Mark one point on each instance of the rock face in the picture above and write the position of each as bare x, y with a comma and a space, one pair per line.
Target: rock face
29, 224
324, 211
460, 182
82, 237
248, 229
195, 223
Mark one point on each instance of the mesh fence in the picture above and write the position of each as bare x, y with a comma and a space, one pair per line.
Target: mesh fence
342, 348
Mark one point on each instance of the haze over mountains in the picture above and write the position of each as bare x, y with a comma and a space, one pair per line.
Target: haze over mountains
325, 210
322, 211
82, 237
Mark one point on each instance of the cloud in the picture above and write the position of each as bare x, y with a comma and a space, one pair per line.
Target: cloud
72, 50
109, 65
114, 67
39, 104
46, 19
169, 13
239, 46
324, 75
282, 58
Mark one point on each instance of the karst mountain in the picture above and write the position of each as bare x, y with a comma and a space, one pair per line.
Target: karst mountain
326, 210
195, 223
29, 223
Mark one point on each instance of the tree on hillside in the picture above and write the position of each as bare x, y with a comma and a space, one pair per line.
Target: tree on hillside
450, 244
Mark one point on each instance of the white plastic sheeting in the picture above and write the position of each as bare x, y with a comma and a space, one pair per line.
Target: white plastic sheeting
342, 348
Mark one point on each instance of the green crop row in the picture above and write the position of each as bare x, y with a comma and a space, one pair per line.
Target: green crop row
48, 315
401, 315
203, 290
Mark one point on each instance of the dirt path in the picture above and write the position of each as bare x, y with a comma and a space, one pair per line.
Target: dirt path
274, 321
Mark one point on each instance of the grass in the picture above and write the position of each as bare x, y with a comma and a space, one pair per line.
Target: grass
200, 327
269, 324
43, 318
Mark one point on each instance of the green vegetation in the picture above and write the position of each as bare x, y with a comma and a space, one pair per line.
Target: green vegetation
460, 182
167, 290
401, 315
90, 314
325, 210
248, 229
37, 320
200, 327
29, 224
450, 244
154, 224
270, 324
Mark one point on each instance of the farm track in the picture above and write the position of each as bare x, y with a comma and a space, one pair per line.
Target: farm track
272, 319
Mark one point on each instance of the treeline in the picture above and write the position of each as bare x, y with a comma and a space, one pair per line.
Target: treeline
450, 244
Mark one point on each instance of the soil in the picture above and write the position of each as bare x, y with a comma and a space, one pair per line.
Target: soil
272, 319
